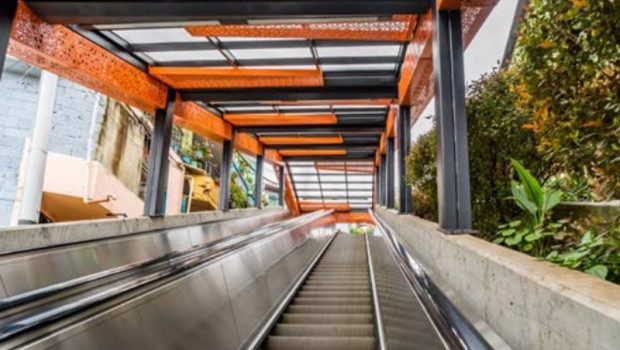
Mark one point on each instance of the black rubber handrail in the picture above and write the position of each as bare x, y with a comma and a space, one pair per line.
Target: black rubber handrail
455, 330
35, 319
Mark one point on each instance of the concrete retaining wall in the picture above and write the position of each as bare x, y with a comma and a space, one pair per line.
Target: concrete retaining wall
38, 236
531, 304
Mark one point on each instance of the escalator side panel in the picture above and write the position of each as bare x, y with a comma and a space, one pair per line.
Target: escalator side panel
405, 322
216, 307
25, 272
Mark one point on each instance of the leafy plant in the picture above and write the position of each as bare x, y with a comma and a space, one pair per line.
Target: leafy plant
567, 59
597, 255
536, 201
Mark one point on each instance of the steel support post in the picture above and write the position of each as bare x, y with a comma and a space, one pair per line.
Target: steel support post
378, 185
383, 179
281, 186
7, 14
452, 152
404, 138
227, 160
389, 180
258, 182
157, 180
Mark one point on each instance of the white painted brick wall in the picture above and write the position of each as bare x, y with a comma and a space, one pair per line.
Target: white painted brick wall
18, 104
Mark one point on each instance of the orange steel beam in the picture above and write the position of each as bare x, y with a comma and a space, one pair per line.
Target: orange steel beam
372, 102
361, 169
353, 218
59, 50
280, 119
209, 77
396, 29
313, 206
312, 152
282, 140
247, 143
191, 116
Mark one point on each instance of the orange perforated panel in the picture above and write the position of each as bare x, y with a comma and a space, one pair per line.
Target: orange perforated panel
280, 119
394, 30
416, 83
206, 77
191, 116
247, 143
60, 50
313, 152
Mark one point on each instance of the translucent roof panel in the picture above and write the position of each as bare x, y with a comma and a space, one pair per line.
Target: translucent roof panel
298, 107
272, 53
294, 67
199, 55
359, 51
248, 108
243, 38
159, 35
358, 67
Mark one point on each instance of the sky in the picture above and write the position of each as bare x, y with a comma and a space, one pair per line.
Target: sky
482, 55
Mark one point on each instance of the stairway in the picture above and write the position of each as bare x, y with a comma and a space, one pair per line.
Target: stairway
333, 309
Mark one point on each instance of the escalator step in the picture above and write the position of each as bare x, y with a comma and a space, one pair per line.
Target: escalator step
329, 309
320, 343
327, 318
331, 330
332, 294
332, 301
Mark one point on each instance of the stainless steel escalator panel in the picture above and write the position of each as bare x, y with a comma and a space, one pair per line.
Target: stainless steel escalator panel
200, 310
32, 270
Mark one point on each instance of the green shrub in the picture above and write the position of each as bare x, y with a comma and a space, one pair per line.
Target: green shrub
495, 134
568, 62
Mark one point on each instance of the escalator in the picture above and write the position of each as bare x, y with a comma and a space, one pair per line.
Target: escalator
333, 309
294, 284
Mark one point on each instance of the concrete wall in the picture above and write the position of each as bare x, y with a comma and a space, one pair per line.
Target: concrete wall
531, 304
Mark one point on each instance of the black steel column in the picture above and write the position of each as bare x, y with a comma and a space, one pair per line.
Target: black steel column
281, 186
157, 181
452, 153
404, 137
389, 181
378, 185
258, 182
227, 159
383, 179
7, 13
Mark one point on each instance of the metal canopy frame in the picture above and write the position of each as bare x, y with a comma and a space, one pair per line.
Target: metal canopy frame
328, 73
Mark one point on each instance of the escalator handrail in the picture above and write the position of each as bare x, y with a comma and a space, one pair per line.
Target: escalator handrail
35, 320
382, 345
455, 330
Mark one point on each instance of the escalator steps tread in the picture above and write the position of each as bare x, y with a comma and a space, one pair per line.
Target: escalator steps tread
320, 343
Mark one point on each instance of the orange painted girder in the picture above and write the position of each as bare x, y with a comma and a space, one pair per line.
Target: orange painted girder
313, 152
371, 102
280, 119
396, 29
313, 206
191, 116
281, 140
247, 143
349, 169
353, 218
60, 50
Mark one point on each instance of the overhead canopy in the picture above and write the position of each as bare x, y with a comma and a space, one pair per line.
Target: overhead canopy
314, 82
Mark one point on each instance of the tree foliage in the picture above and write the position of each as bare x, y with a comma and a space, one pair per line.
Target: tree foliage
568, 57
